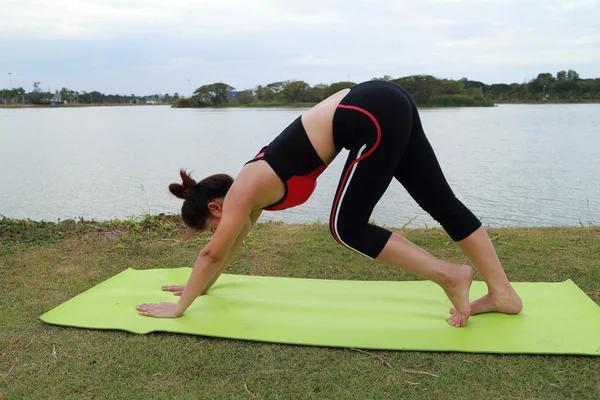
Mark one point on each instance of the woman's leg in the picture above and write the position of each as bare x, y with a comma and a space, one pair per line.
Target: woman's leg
420, 173
455, 279
369, 169
360, 188
501, 296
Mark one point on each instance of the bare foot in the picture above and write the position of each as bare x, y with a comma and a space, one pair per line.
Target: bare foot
507, 302
457, 291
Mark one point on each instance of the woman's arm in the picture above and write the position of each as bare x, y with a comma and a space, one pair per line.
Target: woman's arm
178, 289
235, 222
232, 252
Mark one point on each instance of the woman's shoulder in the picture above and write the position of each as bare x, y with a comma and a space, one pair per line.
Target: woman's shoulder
258, 184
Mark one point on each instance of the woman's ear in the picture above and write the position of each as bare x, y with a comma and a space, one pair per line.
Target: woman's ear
216, 207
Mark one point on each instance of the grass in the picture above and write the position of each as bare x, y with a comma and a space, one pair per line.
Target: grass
75, 105
44, 264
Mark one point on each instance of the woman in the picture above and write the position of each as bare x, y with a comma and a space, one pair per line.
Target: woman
379, 123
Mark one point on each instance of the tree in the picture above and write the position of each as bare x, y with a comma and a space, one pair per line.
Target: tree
543, 80
545, 77
498, 90
213, 94
452, 87
21, 92
277, 87
561, 75
37, 96
336, 87
64, 93
96, 97
245, 97
421, 87
295, 91
572, 75
471, 84
383, 78
317, 93
264, 93
564, 87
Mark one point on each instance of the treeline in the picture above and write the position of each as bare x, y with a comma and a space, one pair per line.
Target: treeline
426, 90
66, 96
565, 86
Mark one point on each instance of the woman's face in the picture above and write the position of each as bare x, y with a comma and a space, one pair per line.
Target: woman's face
212, 223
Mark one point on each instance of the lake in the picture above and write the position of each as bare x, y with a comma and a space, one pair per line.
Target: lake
512, 165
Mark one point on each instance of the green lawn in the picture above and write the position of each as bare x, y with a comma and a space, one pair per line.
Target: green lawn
45, 264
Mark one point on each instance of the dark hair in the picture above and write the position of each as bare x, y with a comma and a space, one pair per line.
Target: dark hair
194, 211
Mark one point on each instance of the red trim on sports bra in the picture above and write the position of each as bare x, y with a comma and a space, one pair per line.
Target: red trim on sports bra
342, 186
299, 188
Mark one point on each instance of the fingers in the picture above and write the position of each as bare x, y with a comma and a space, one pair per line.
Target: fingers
178, 293
172, 288
158, 310
143, 309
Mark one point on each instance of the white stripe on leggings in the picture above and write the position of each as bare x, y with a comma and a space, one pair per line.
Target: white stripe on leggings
339, 205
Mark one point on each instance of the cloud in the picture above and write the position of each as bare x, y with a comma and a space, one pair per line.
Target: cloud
73, 19
156, 46
576, 5
180, 63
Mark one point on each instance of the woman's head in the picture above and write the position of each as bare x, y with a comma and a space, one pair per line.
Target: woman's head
202, 200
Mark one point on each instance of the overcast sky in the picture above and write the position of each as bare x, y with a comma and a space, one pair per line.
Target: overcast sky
155, 46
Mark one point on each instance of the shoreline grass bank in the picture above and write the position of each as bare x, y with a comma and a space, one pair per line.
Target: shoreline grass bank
43, 264
73, 105
453, 101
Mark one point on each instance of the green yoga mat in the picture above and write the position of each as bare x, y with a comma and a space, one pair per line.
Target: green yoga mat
558, 317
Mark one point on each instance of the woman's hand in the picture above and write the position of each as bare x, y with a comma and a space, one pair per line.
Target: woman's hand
158, 310
176, 289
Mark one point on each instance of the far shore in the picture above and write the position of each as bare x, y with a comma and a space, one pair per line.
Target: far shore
546, 102
279, 105
10, 106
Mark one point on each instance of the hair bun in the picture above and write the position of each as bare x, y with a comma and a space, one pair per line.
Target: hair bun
188, 182
182, 191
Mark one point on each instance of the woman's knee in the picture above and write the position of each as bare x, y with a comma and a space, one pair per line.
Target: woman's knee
365, 239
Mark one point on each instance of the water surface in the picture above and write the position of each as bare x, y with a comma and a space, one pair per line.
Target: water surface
513, 165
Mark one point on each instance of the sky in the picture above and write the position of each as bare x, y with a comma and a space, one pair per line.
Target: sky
166, 46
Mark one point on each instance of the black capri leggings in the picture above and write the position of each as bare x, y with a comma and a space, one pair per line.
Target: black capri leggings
379, 123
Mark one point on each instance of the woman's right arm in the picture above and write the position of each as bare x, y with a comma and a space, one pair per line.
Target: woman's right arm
178, 289
232, 252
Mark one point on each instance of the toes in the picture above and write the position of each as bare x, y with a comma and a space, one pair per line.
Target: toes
457, 320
